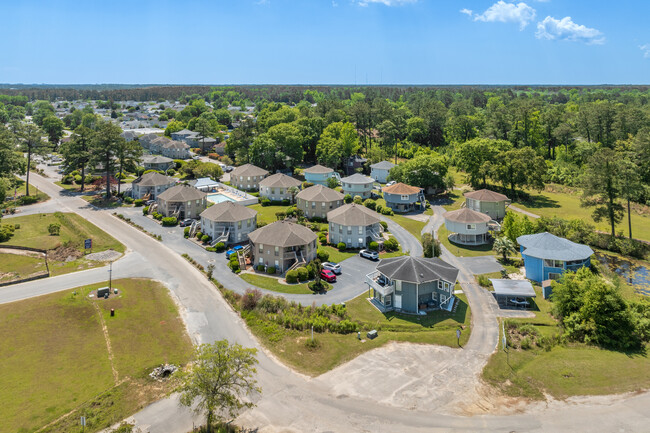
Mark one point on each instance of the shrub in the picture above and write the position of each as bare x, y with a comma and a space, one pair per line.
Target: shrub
370, 203
6, 232
28, 199
384, 224
391, 244
16, 226
341, 246
260, 268
54, 229
292, 276
358, 199
171, 172
145, 210
306, 184
387, 211
332, 182
250, 299
347, 198
483, 281
286, 202
265, 201
234, 264
77, 178
211, 249
75, 173
157, 216
318, 286
220, 247
128, 200
198, 235
311, 270
303, 274
322, 255
138, 202
373, 246
270, 270
186, 232
378, 208
67, 179
206, 238
169, 221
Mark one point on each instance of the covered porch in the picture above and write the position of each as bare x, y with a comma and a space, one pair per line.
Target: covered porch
470, 239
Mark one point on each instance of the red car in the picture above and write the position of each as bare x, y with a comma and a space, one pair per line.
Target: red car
328, 276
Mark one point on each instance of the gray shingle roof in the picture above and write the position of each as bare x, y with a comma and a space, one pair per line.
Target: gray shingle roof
283, 234
548, 246
358, 178
175, 145
156, 159
417, 269
248, 170
319, 193
182, 193
486, 195
228, 211
318, 169
280, 180
353, 215
154, 178
466, 215
383, 165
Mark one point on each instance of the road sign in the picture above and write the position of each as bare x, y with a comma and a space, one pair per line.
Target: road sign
88, 244
83, 421
458, 334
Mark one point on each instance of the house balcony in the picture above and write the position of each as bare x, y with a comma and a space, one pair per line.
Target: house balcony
377, 281
469, 239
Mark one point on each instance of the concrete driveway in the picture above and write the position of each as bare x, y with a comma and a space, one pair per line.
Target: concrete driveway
481, 265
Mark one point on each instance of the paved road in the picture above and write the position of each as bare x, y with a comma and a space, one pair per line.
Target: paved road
293, 403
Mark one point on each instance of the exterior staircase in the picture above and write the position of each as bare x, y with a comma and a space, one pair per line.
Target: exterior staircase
153, 208
194, 227
299, 262
241, 256
223, 237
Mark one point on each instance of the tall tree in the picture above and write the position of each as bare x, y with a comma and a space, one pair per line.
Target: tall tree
53, 127
424, 171
11, 162
204, 127
601, 187
518, 168
630, 183
31, 142
475, 157
128, 155
104, 148
76, 152
338, 142
221, 376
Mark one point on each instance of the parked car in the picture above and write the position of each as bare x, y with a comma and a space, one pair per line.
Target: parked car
229, 169
369, 254
186, 222
334, 267
233, 251
392, 182
149, 202
328, 276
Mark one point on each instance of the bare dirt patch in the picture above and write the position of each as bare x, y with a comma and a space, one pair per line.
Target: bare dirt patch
64, 254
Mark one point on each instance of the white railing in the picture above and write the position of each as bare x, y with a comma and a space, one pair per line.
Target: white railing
372, 279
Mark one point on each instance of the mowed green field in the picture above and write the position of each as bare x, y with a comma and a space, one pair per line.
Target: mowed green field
33, 232
18, 266
55, 358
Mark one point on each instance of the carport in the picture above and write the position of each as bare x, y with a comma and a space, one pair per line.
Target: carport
513, 293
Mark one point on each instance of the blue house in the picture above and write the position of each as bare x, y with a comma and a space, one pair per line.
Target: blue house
318, 175
547, 256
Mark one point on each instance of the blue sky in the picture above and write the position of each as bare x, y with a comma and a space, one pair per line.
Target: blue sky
326, 42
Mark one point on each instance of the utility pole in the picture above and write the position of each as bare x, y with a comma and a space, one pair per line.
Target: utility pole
110, 276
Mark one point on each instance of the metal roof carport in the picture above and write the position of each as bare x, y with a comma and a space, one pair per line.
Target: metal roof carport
506, 292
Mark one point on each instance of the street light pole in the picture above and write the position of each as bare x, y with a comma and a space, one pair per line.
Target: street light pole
110, 276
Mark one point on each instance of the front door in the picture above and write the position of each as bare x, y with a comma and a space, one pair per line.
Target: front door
398, 302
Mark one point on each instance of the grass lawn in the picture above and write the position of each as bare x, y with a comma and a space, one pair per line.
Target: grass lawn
412, 226
55, 357
270, 283
338, 256
454, 201
18, 266
335, 349
463, 250
266, 214
69, 186
552, 201
33, 232
100, 201
20, 191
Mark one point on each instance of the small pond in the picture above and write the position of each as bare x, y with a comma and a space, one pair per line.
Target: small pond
637, 274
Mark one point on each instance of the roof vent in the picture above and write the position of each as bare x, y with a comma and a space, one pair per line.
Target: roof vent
422, 275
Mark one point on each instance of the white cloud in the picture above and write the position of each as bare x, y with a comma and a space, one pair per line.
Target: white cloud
386, 2
503, 12
646, 50
566, 30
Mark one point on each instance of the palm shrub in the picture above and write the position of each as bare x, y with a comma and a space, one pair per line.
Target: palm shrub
504, 246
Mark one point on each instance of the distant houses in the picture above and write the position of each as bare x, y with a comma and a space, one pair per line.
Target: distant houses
380, 171
157, 144
150, 185
403, 198
316, 201
157, 162
319, 174
247, 177
467, 227
357, 184
488, 202
277, 187
547, 257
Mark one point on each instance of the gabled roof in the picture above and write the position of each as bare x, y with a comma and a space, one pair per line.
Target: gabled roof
282, 234
175, 145
466, 215
280, 180
319, 193
486, 195
156, 159
358, 178
548, 246
248, 170
383, 165
417, 269
318, 169
353, 215
182, 193
401, 188
153, 178
228, 211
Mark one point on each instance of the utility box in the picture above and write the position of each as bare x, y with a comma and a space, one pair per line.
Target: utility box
103, 292
372, 334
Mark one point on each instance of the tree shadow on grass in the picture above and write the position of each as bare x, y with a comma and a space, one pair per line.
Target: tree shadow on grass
538, 201
432, 318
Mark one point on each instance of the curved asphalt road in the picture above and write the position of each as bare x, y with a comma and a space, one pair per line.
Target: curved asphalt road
293, 403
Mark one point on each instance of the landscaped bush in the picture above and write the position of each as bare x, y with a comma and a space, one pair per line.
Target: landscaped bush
311, 270
341, 246
54, 229
234, 264
373, 246
198, 235
186, 232
483, 281
378, 208
303, 274
270, 270
260, 268
157, 216
67, 179
347, 198
211, 249
286, 202
322, 255
77, 178
306, 184
169, 221
138, 202
265, 201
391, 244
170, 172
6, 232
318, 286
220, 247
206, 238
145, 210
128, 200
292, 276
384, 224
75, 173
358, 199
370, 203
387, 211
28, 199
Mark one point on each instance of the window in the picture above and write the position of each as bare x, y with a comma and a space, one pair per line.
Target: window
248, 179
277, 251
405, 197
313, 204
553, 263
471, 226
239, 224
261, 261
323, 204
189, 203
198, 201
360, 230
261, 248
272, 190
360, 241
349, 230
277, 264
439, 284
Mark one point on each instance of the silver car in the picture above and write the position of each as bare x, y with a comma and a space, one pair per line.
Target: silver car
334, 267
369, 254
